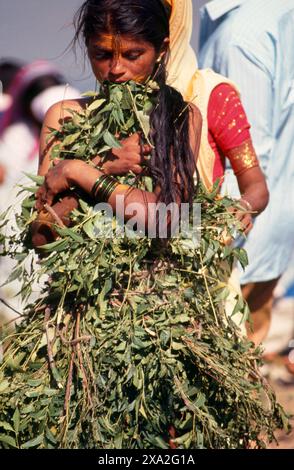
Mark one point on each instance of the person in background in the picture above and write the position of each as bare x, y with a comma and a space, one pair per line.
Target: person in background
246, 40
8, 69
34, 88
279, 343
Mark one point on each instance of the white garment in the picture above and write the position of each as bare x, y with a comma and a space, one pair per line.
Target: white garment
15, 146
42, 102
5, 101
19, 154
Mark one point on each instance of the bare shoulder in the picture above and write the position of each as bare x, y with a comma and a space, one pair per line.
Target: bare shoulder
62, 110
54, 119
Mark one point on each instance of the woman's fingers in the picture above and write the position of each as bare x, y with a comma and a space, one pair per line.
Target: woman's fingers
146, 149
49, 197
248, 224
136, 140
56, 181
40, 198
137, 169
246, 221
130, 157
244, 218
44, 195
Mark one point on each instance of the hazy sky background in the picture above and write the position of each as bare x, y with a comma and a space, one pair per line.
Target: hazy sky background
41, 29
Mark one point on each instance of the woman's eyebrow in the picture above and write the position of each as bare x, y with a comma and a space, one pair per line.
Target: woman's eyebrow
100, 48
124, 50
133, 49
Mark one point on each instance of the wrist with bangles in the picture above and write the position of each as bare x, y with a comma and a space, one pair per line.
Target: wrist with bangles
246, 203
104, 187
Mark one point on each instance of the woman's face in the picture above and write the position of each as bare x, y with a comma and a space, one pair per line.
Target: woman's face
121, 58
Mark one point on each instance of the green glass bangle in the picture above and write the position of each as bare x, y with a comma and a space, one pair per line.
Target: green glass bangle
97, 183
104, 193
103, 187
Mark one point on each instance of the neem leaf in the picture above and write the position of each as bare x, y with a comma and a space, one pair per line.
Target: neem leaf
36, 178
242, 257
8, 440
33, 442
16, 420
70, 139
64, 232
95, 105
110, 140
90, 93
88, 228
6, 426
58, 245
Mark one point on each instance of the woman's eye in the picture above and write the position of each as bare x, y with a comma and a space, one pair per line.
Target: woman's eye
132, 56
102, 55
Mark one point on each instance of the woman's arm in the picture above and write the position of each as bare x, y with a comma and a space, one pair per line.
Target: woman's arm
69, 173
253, 189
42, 229
133, 195
76, 173
228, 124
54, 119
119, 161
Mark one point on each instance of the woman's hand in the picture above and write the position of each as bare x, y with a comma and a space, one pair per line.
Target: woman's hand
58, 179
244, 216
127, 158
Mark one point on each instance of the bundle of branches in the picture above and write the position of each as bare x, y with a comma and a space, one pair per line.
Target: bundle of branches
129, 338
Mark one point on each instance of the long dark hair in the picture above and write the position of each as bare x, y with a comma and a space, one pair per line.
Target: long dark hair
172, 161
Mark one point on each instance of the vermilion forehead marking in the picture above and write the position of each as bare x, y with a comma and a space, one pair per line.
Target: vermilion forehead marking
105, 40
115, 42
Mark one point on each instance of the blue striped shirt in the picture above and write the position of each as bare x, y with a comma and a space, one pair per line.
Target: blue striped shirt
251, 42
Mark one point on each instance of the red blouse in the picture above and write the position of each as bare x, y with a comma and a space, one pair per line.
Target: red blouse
228, 131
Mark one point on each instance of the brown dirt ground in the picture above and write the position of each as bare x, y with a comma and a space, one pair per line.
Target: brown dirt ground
283, 384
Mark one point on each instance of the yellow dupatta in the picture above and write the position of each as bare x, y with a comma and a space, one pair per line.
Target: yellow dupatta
194, 84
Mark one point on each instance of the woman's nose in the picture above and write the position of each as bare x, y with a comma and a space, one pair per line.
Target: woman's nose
116, 66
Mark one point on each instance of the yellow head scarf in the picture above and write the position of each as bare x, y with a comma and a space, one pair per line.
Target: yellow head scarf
195, 85
182, 62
